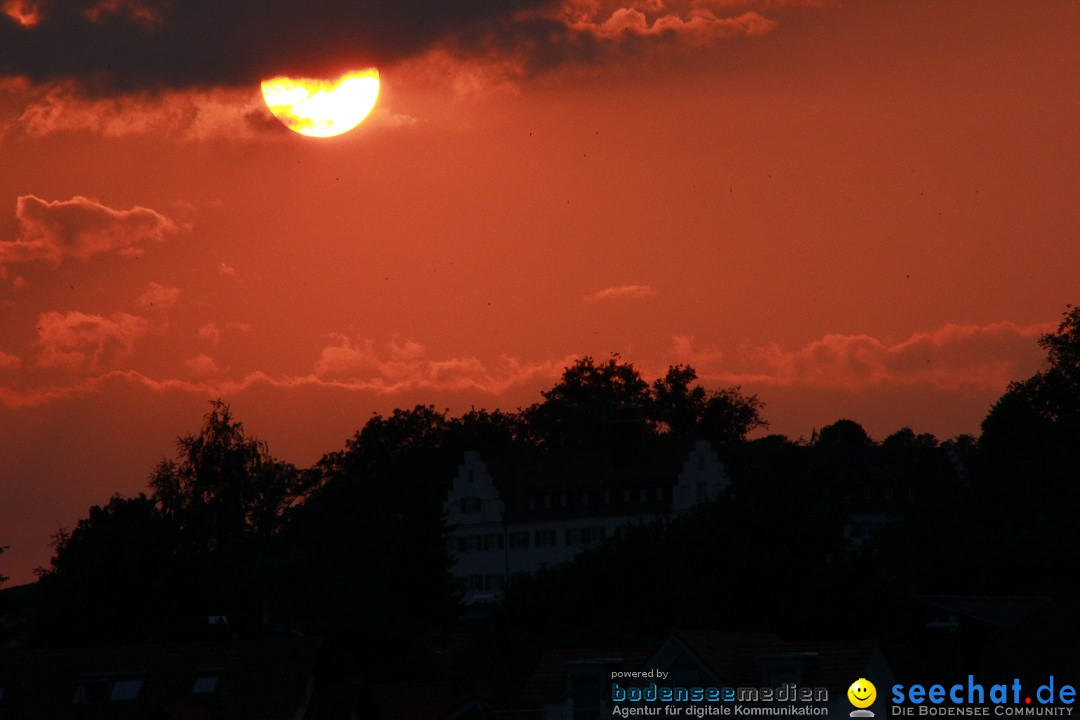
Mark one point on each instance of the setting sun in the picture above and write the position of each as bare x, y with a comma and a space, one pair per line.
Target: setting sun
322, 108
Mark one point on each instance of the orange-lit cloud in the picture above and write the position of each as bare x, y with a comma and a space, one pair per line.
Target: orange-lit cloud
211, 332
75, 340
621, 292
159, 296
697, 24
134, 10
26, 13
403, 366
190, 115
8, 361
80, 228
202, 366
951, 357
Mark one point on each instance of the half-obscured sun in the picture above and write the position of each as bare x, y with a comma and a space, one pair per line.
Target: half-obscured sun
322, 108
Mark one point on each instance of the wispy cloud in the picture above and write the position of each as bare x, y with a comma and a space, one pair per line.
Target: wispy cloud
202, 366
950, 357
402, 366
75, 340
620, 292
159, 296
8, 361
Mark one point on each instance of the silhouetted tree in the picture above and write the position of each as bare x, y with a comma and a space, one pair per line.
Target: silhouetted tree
905, 437
729, 416
114, 577
490, 433
3, 578
225, 486
1044, 410
372, 568
843, 434
578, 412
677, 405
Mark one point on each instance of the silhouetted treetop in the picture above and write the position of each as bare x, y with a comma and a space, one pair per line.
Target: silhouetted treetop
905, 437
577, 412
844, 434
1043, 410
592, 400
224, 485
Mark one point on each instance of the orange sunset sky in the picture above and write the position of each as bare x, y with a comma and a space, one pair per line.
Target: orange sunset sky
861, 208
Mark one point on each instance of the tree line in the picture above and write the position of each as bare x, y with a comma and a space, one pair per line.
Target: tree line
353, 548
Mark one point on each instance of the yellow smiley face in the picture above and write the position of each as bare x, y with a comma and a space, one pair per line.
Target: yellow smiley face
862, 693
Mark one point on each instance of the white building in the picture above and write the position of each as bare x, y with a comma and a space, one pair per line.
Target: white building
514, 519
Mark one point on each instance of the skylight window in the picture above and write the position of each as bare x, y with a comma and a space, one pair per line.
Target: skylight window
206, 682
108, 688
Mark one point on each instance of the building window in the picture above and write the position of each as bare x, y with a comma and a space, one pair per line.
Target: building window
547, 501
701, 462
573, 536
532, 502
562, 500
206, 682
702, 491
585, 498
659, 493
607, 498
470, 505
493, 541
472, 583
545, 538
641, 495
519, 540
494, 583
108, 688
597, 534
888, 493
468, 543
626, 495
93, 689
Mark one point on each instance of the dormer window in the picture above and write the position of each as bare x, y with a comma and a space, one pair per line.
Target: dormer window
126, 688
108, 688
206, 682
470, 505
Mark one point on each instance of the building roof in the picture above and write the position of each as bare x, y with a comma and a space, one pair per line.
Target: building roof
1042, 644
733, 657
736, 658
548, 680
597, 472
1002, 611
266, 679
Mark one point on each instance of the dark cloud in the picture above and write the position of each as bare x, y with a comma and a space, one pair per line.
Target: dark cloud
124, 45
140, 44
